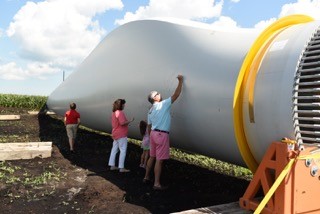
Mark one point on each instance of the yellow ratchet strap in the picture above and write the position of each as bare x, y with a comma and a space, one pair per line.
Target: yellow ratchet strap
274, 186
280, 179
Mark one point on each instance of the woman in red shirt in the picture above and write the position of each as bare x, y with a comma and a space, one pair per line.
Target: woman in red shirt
72, 122
119, 135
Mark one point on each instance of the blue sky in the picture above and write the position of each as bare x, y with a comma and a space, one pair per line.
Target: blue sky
42, 40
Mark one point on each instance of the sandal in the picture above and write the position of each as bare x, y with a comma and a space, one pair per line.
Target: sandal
146, 181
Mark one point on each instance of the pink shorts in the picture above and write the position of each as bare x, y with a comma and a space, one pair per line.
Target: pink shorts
159, 145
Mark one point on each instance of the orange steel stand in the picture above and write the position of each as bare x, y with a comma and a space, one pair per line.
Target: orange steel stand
299, 190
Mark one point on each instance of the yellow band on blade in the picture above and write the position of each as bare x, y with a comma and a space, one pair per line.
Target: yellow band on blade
260, 43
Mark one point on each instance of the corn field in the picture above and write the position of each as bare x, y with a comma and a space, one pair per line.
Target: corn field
23, 101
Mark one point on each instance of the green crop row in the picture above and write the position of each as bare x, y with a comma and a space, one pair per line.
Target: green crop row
23, 101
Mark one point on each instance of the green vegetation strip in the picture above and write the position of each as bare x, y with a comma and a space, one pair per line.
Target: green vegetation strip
212, 164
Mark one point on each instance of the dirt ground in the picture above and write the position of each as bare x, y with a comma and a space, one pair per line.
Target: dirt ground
82, 183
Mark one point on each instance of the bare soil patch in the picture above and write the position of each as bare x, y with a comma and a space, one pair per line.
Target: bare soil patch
82, 183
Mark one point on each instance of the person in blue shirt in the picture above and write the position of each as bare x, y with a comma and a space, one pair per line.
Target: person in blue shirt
159, 121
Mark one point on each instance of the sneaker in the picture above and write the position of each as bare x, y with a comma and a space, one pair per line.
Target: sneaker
124, 170
114, 168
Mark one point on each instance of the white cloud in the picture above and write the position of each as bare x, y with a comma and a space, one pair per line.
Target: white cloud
263, 24
40, 70
57, 32
10, 71
225, 22
184, 9
306, 7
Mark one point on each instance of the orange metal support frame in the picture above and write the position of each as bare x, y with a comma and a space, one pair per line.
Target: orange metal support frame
299, 190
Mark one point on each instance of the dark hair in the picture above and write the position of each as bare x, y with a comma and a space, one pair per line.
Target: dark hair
143, 127
73, 106
118, 105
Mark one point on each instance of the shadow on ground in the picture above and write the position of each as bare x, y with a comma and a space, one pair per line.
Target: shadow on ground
108, 191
